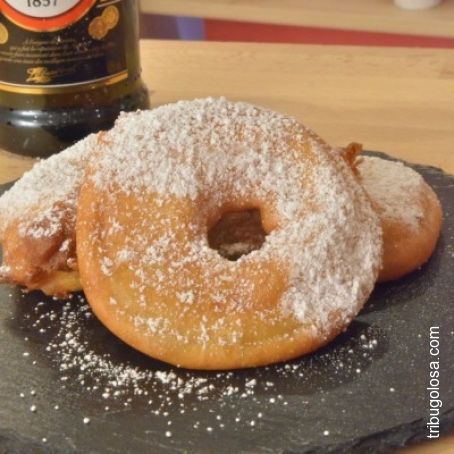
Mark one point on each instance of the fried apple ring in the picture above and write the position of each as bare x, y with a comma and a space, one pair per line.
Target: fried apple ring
163, 178
37, 223
409, 210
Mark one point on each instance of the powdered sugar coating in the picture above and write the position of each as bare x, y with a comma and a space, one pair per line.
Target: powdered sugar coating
47, 194
204, 154
395, 188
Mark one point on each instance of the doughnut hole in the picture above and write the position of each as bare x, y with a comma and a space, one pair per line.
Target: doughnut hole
237, 233
237, 229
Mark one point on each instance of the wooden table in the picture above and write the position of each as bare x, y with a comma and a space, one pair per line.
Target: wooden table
396, 100
366, 15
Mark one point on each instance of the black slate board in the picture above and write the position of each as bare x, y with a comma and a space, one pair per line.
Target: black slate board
364, 393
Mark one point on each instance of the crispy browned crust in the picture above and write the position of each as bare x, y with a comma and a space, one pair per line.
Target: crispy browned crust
40, 253
47, 263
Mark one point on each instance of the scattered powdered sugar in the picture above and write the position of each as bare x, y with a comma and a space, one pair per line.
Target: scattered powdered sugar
46, 195
204, 154
394, 187
88, 357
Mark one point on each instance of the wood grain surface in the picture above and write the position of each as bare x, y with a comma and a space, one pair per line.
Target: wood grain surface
400, 101
367, 15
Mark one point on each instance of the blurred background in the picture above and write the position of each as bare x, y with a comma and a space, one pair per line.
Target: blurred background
414, 23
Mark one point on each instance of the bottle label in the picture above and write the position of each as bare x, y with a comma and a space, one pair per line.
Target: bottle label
52, 45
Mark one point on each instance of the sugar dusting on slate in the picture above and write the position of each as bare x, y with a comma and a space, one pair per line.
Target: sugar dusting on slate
106, 373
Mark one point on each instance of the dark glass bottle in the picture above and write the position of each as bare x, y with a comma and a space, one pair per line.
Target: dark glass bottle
67, 68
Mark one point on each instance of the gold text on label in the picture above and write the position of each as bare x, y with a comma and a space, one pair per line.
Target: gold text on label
43, 75
39, 75
64, 88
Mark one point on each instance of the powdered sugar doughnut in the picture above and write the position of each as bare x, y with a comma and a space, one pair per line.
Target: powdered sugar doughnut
409, 210
165, 178
37, 223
